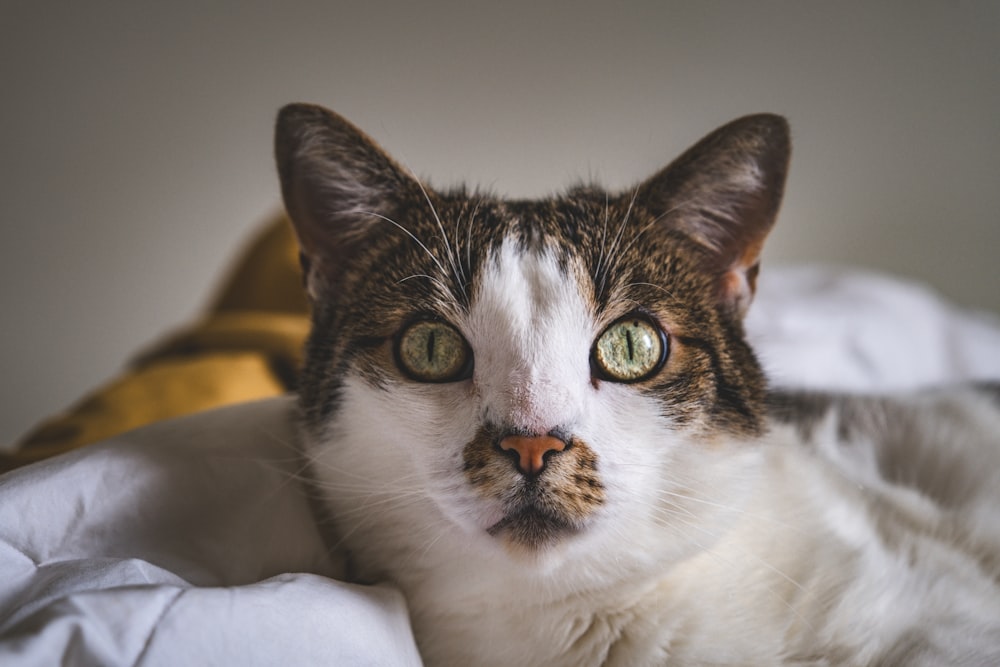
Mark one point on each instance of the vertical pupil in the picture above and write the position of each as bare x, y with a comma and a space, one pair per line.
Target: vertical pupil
430, 345
631, 345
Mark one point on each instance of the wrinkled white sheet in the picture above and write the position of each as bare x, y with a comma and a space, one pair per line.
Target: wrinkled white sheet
839, 329
183, 543
190, 541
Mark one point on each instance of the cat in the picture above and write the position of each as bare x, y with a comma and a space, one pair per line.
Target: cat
542, 422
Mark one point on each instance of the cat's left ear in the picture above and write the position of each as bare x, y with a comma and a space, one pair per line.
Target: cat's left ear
724, 193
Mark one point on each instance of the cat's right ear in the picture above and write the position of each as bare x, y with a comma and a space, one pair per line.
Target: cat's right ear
336, 183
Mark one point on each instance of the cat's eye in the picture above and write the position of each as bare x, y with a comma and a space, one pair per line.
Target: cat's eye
430, 351
630, 350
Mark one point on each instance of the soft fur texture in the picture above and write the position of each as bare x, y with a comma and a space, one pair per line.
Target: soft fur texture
683, 517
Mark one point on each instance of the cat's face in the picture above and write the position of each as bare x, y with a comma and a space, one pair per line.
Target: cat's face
541, 372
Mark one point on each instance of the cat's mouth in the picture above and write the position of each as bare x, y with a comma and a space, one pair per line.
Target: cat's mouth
532, 528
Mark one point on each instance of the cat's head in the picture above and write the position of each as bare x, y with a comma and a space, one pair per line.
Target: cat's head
539, 371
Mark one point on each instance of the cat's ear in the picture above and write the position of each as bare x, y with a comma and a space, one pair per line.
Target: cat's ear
337, 184
724, 193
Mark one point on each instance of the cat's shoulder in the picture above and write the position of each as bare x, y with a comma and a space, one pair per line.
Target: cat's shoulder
930, 455
969, 403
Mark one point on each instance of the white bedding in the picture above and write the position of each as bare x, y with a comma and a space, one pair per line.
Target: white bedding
190, 541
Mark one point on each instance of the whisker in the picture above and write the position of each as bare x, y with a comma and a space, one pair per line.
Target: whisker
604, 234
423, 275
442, 531
444, 235
617, 240
461, 269
468, 239
745, 553
374, 501
411, 235
655, 221
654, 286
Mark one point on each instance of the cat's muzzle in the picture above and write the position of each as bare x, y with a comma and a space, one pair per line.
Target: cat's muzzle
547, 486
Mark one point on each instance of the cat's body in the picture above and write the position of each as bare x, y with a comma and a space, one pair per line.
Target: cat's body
542, 422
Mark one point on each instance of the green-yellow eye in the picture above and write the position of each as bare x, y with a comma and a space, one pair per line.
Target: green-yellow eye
429, 351
630, 350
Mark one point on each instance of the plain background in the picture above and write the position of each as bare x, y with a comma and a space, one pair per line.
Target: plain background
135, 138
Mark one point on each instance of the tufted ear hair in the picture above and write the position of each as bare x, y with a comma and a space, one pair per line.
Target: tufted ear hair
337, 184
724, 193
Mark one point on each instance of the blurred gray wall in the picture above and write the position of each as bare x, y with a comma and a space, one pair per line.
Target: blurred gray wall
135, 137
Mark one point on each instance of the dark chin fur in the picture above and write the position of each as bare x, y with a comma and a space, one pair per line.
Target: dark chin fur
531, 529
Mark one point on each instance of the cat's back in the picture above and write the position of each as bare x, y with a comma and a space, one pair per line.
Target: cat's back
936, 450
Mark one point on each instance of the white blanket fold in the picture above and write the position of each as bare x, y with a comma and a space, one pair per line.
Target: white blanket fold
170, 545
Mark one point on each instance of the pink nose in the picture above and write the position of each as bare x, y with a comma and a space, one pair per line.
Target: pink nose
531, 450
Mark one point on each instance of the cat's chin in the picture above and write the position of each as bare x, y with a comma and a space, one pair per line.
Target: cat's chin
530, 532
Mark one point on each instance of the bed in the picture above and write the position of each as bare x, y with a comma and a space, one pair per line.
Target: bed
190, 540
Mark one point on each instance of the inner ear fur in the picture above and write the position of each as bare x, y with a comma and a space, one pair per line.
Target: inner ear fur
724, 193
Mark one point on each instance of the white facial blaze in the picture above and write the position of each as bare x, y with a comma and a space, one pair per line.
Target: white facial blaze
532, 331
